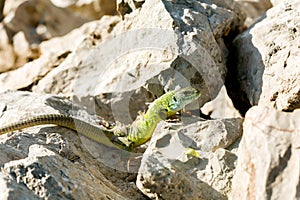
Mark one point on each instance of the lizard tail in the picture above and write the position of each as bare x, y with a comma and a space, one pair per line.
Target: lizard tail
90, 131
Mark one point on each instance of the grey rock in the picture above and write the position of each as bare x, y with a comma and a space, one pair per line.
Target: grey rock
213, 134
254, 9
167, 172
42, 15
159, 47
29, 22
10, 189
54, 52
33, 20
221, 106
268, 156
7, 58
53, 162
219, 171
265, 56
127, 6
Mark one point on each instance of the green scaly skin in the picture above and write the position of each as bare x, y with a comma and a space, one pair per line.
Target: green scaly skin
140, 130
167, 105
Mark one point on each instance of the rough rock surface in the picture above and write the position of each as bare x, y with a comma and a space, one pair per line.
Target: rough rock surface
127, 6
268, 156
156, 50
27, 23
54, 52
53, 162
221, 107
7, 58
187, 177
254, 9
266, 60
114, 65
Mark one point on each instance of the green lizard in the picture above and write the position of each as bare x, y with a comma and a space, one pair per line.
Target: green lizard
139, 132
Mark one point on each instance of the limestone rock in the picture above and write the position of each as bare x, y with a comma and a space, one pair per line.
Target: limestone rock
213, 134
15, 192
166, 172
127, 6
53, 162
34, 20
266, 60
275, 2
221, 106
161, 46
54, 52
28, 23
254, 9
88, 9
268, 156
7, 58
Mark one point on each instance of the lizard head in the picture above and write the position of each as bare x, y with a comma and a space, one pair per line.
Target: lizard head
173, 101
182, 97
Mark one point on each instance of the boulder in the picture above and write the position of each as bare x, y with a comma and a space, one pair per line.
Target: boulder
268, 156
163, 45
53, 53
127, 6
52, 162
264, 61
254, 9
221, 107
7, 57
27, 23
167, 170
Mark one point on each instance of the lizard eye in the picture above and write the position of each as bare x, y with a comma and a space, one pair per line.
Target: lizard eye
174, 98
